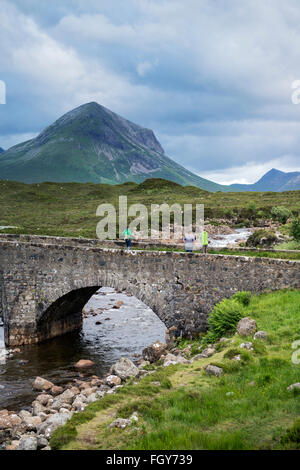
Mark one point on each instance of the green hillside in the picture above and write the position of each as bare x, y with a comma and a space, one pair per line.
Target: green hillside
69, 209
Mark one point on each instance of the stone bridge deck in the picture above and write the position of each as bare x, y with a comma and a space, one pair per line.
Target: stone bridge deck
46, 281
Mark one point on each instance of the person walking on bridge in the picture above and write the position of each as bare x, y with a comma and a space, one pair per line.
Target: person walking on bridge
189, 242
204, 241
127, 237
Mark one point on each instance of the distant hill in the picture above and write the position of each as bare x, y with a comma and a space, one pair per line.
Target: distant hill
1, 150
93, 144
273, 180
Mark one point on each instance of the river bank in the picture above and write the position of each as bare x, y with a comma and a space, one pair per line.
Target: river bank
107, 334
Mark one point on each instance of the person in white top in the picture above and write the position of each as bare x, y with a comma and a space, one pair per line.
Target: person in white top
189, 242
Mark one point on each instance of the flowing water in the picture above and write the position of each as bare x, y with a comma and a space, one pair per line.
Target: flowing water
240, 234
122, 332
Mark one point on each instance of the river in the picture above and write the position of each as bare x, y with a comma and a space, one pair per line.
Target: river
122, 332
231, 239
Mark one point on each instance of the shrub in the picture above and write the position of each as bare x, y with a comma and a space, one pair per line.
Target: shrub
262, 238
242, 297
251, 209
295, 229
280, 213
224, 317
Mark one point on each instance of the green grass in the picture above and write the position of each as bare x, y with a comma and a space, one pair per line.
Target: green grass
233, 252
69, 209
258, 254
248, 407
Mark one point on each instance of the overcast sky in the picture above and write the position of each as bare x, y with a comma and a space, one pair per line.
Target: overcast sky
212, 78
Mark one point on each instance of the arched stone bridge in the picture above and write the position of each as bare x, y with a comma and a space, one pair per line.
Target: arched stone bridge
45, 282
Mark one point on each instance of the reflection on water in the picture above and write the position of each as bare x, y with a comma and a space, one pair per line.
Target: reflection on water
122, 332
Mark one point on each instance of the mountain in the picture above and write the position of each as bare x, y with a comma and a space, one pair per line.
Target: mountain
93, 144
273, 180
1, 150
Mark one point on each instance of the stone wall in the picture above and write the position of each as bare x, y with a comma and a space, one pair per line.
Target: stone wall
45, 283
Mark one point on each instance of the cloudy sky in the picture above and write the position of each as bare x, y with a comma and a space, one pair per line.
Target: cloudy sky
212, 78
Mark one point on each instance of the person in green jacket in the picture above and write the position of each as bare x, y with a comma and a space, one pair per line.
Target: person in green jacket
204, 241
127, 237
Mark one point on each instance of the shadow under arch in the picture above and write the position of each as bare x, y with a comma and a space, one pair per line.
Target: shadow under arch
65, 314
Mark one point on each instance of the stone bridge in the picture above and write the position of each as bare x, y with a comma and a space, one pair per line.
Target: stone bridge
45, 282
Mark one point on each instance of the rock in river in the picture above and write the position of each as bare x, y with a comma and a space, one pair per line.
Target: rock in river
84, 363
124, 369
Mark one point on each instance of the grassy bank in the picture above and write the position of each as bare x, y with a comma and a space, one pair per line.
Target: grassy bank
248, 407
69, 209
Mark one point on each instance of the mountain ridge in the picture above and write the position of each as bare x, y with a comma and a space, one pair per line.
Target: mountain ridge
93, 144
273, 180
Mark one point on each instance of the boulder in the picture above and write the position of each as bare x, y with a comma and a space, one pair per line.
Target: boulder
93, 397
171, 359
41, 442
207, 352
120, 423
28, 443
260, 335
9, 420
124, 369
96, 382
84, 386
154, 351
118, 304
112, 380
53, 422
84, 363
142, 363
44, 399
214, 370
31, 422
295, 386
67, 396
42, 384
88, 391
79, 403
24, 413
56, 390
248, 346
237, 358
246, 326
170, 337
197, 357
38, 408
13, 445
